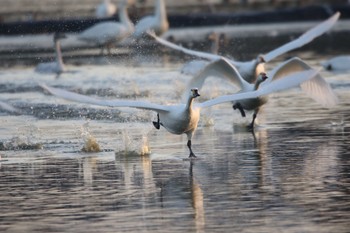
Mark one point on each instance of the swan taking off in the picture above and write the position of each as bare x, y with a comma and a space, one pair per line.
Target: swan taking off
56, 67
157, 22
183, 118
316, 88
105, 9
106, 34
250, 69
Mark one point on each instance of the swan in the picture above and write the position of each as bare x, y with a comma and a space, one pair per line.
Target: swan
105, 9
106, 34
338, 63
157, 22
316, 88
183, 118
250, 69
56, 66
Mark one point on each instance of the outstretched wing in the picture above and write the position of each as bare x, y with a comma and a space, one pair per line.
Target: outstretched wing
109, 103
289, 81
305, 38
221, 68
317, 88
209, 56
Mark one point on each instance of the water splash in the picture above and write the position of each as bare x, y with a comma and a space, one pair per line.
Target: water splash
20, 143
90, 142
133, 145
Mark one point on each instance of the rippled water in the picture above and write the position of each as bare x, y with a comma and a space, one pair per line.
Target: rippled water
291, 175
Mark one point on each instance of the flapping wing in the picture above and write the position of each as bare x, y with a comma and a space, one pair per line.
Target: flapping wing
221, 68
166, 43
109, 103
316, 88
289, 81
305, 38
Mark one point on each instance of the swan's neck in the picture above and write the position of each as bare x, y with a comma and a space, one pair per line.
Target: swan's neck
124, 17
160, 10
215, 46
189, 103
58, 53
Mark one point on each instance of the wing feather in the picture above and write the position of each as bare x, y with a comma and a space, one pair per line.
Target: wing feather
109, 103
305, 38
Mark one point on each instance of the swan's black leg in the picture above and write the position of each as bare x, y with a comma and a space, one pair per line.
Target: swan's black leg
240, 108
251, 126
189, 144
157, 123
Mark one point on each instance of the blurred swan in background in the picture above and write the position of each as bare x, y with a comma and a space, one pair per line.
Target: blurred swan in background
250, 69
339, 63
57, 67
105, 9
183, 118
316, 88
157, 22
106, 34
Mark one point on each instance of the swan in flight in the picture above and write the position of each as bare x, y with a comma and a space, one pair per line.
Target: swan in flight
338, 63
183, 118
251, 69
56, 66
316, 88
105, 9
157, 22
106, 34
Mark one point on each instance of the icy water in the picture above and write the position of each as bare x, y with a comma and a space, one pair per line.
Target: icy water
291, 175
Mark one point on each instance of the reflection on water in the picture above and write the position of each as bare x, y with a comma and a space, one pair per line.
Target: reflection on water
291, 174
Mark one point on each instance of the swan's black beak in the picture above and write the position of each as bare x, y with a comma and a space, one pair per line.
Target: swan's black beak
195, 92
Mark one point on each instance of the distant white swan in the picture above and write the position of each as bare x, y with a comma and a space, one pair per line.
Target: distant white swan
316, 88
157, 22
339, 63
183, 118
250, 69
57, 67
105, 9
106, 34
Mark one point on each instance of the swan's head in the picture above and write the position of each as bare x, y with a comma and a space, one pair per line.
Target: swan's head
261, 78
59, 35
194, 93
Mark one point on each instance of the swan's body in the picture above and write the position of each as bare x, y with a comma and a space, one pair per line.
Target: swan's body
106, 34
56, 67
183, 118
317, 88
339, 63
105, 9
157, 22
250, 69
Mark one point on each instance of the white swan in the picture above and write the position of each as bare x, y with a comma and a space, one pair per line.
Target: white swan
183, 118
106, 34
339, 63
105, 9
57, 66
250, 69
157, 22
316, 88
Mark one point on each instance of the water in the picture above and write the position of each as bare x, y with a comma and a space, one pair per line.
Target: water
291, 175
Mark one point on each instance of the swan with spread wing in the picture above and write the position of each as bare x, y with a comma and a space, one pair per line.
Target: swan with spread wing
183, 118
251, 69
316, 88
